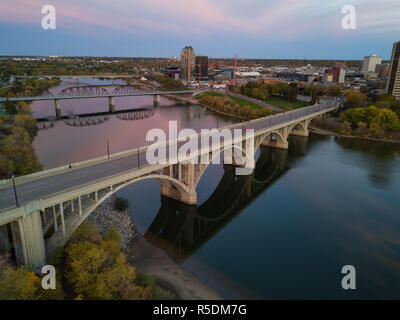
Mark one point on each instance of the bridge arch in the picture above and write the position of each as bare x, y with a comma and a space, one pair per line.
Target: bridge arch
300, 128
58, 239
203, 167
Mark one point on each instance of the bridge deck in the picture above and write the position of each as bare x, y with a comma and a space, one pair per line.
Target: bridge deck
47, 185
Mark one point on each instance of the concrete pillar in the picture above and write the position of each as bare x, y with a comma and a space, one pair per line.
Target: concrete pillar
55, 219
4, 239
280, 141
44, 217
301, 133
275, 144
156, 99
62, 219
179, 171
58, 109
80, 205
111, 104
96, 196
167, 189
72, 205
170, 190
31, 233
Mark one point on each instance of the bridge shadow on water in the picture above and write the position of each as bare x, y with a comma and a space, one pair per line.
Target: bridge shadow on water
180, 229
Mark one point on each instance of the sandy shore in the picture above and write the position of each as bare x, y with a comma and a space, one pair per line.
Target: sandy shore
148, 258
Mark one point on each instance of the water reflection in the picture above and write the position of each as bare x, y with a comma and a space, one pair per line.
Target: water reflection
180, 229
377, 157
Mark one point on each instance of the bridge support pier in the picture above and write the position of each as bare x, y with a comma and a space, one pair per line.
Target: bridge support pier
301, 129
277, 139
186, 174
300, 133
111, 104
156, 99
58, 109
29, 246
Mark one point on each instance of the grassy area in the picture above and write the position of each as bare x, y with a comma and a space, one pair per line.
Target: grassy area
212, 94
241, 102
244, 102
283, 103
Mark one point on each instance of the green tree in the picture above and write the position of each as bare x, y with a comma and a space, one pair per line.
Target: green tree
101, 272
87, 231
113, 234
334, 90
355, 99
121, 204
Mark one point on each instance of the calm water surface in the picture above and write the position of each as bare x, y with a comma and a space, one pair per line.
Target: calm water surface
283, 232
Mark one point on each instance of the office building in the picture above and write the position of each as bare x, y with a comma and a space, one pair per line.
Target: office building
382, 70
393, 83
336, 74
187, 64
172, 72
225, 74
201, 68
370, 63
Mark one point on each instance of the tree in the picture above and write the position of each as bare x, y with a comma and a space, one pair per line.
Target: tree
334, 90
101, 272
11, 107
27, 122
376, 119
87, 231
315, 91
17, 155
113, 234
385, 97
121, 204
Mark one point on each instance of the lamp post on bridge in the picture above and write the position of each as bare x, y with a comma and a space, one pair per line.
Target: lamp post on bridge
15, 191
108, 149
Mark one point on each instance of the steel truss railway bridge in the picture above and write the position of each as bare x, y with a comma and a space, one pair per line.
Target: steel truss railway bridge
93, 91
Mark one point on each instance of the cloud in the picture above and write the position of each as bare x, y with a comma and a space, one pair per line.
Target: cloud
205, 18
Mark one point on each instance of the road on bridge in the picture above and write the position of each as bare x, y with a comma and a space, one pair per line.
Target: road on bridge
75, 177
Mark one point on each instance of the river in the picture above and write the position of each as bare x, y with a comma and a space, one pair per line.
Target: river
286, 231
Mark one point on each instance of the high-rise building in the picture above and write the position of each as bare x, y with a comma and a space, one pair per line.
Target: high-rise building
370, 63
187, 63
201, 69
393, 83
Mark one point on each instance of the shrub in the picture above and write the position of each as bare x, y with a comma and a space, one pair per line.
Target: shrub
87, 231
121, 204
113, 234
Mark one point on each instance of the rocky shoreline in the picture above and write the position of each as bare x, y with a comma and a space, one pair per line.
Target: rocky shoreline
146, 257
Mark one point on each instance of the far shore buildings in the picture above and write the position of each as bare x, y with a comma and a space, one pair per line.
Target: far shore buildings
194, 67
370, 62
336, 74
393, 83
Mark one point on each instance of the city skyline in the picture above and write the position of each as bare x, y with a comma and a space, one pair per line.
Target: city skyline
290, 29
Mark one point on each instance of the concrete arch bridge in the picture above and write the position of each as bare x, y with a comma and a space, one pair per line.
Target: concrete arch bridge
60, 199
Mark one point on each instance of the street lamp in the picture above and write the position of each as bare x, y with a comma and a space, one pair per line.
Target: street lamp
15, 191
108, 149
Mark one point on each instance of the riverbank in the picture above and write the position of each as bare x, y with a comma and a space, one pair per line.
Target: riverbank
144, 256
319, 128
